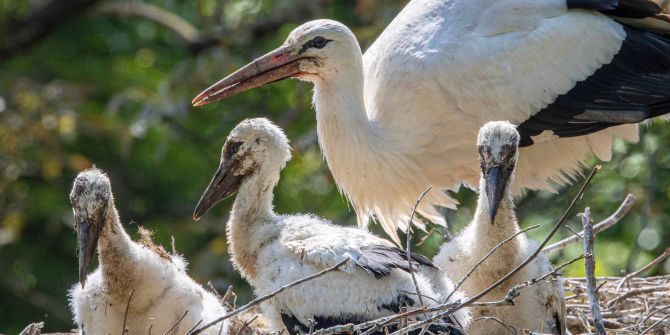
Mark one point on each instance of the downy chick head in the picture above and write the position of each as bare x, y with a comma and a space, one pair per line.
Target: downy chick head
254, 148
91, 198
498, 145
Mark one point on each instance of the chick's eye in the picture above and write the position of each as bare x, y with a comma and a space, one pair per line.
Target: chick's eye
232, 148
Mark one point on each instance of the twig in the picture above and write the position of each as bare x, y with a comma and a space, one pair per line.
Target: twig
244, 325
653, 263
125, 315
173, 244
33, 329
530, 258
553, 272
165, 18
654, 325
613, 219
590, 267
268, 296
409, 242
176, 323
509, 328
472, 269
196, 326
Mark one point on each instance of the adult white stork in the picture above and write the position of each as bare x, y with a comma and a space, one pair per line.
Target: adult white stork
271, 250
539, 307
137, 285
404, 116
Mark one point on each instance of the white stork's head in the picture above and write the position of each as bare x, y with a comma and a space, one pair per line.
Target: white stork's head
255, 148
498, 144
314, 50
91, 197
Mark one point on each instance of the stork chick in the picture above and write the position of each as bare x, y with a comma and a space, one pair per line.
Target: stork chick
540, 307
163, 295
272, 250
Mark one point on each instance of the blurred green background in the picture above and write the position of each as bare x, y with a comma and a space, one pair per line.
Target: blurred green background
109, 83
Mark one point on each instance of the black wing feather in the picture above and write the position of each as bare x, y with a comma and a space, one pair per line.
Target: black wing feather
633, 87
634, 9
379, 260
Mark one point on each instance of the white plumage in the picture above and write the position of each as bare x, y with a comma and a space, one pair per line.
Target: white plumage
404, 116
539, 307
271, 250
161, 290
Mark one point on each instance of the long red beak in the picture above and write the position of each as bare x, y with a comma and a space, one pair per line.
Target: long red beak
276, 65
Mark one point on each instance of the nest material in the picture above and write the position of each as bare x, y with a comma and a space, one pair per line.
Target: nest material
641, 305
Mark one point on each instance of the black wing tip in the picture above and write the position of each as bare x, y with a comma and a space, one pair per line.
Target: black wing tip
634, 9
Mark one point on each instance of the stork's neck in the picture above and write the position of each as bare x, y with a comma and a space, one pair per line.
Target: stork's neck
346, 135
505, 225
252, 208
116, 254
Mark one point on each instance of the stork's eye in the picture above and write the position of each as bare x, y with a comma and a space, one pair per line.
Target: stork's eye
318, 42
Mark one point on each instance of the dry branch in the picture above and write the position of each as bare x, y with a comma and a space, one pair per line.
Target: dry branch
613, 219
645, 303
645, 268
590, 267
408, 251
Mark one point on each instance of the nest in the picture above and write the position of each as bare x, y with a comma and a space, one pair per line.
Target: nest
637, 306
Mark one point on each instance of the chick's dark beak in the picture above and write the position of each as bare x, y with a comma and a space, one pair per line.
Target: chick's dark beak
224, 184
88, 233
496, 181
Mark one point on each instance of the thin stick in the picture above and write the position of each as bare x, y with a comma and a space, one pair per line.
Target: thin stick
196, 326
654, 325
494, 249
530, 258
613, 219
590, 267
125, 315
653, 263
409, 240
244, 325
176, 323
509, 328
268, 296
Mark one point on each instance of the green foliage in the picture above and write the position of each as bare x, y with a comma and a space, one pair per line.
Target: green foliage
116, 93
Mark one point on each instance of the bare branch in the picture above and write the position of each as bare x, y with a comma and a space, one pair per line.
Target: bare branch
651, 264
182, 28
509, 328
33, 329
259, 300
409, 242
176, 323
654, 325
590, 266
613, 219
18, 35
